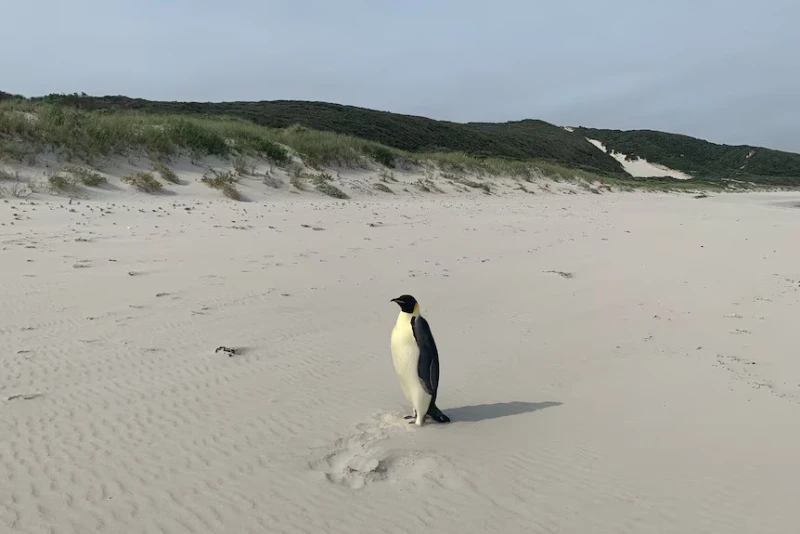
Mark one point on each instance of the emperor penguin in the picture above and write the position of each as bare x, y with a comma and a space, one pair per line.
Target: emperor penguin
416, 361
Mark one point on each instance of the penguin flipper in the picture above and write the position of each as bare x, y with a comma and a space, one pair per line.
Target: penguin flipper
428, 366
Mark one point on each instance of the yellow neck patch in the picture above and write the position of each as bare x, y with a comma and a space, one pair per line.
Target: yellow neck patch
416, 309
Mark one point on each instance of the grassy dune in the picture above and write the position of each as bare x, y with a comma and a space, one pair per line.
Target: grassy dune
30, 127
702, 159
85, 135
519, 140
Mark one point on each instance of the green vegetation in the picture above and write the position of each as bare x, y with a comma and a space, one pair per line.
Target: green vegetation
487, 188
375, 131
296, 179
79, 127
224, 181
271, 181
386, 176
242, 166
69, 180
325, 148
87, 135
86, 177
16, 151
166, 173
84, 135
382, 187
384, 156
331, 190
702, 159
61, 184
321, 182
426, 185
143, 181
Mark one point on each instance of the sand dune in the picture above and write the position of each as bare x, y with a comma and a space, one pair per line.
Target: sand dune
640, 167
616, 363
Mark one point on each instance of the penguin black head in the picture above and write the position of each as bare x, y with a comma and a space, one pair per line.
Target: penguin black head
407, 303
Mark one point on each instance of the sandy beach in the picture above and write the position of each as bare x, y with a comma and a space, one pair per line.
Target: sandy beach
612, 363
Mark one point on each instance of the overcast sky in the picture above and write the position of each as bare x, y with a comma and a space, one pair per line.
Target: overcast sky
727, 71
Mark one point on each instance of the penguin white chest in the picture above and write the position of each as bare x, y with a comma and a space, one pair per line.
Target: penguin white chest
405, 354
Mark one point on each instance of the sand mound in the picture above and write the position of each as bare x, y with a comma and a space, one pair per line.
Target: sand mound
639, 167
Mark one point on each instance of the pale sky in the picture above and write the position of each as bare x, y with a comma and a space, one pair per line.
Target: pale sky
724, 70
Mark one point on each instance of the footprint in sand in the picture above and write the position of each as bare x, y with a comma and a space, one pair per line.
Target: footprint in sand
364, 458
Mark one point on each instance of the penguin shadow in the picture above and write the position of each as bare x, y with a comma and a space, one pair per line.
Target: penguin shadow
484, 412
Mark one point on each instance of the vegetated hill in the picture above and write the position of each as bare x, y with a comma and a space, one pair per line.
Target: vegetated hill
535, 136
700, 158
523, 140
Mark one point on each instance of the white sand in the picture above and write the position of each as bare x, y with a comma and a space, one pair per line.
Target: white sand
656, 390
640, 167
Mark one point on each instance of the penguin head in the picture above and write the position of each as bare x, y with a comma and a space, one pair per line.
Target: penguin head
407, 303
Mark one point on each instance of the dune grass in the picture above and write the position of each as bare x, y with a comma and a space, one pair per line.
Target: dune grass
272, 181
88, 135
28, 128
485, 186
331, 190
382, 187
166, 173
60, 183
325, 148
86, 177
225, 181
15, 151
143, 181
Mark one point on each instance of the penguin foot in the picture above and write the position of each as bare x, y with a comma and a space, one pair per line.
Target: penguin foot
440, 418
410, 417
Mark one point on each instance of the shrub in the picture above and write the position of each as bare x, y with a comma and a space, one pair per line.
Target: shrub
331, 190
382, 187
427, 186
386, 176
384, 156
17, 188
475, 185
321, 178
296, 180
143, 181
271, 181
166, 173
60, 183
86, 177
14, 151
240, 165
230, 191
272, 151
224, 181
220, 177
197, 137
